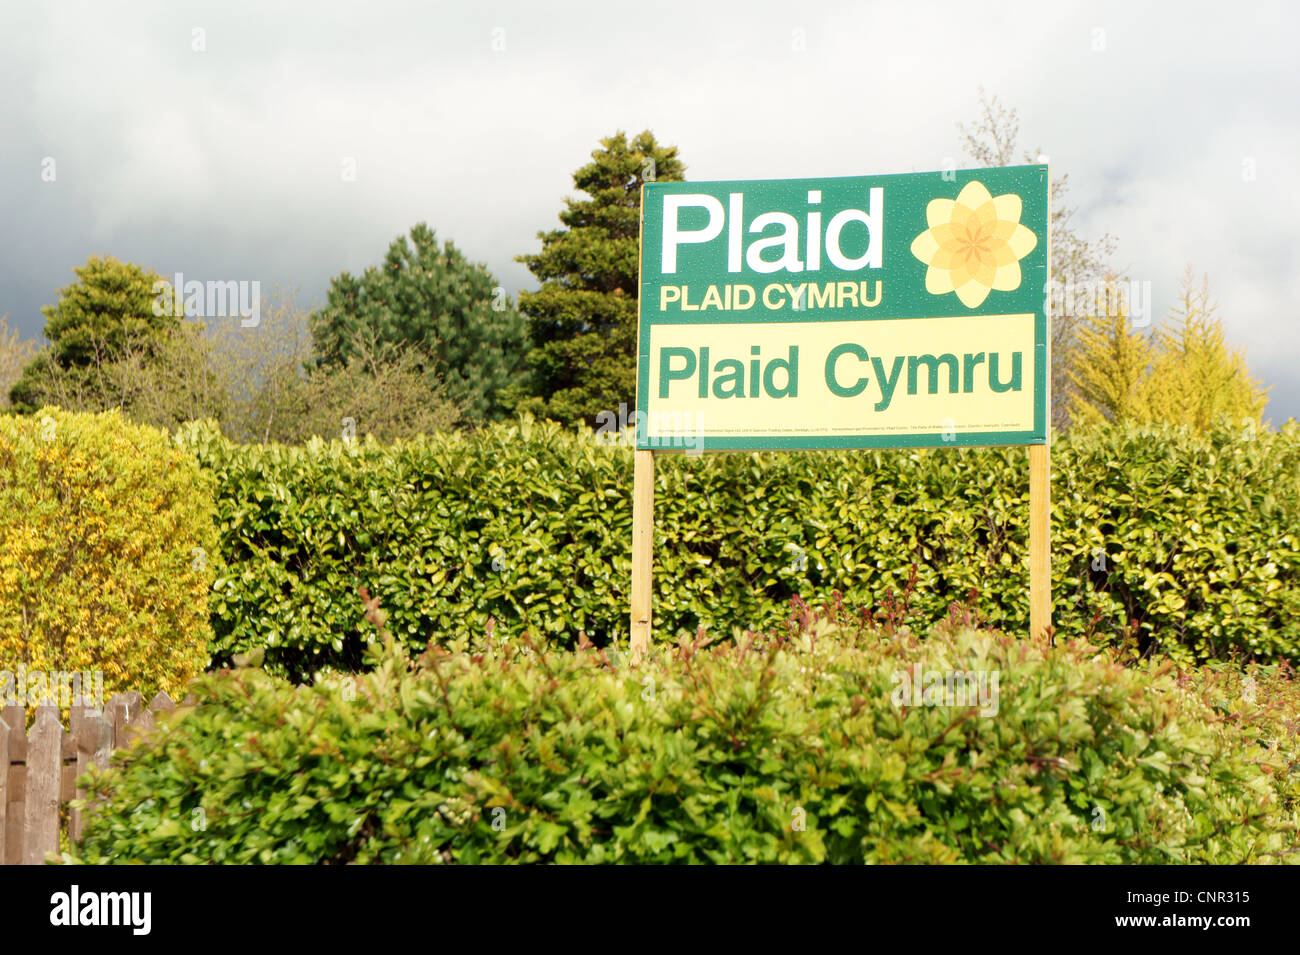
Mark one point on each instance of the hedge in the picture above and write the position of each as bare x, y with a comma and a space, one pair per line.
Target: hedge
107, 554
1163, 540
797, 749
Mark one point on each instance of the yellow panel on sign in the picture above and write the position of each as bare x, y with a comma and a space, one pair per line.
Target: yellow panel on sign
904, 376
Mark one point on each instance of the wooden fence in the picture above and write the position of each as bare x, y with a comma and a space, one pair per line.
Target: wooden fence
39, 768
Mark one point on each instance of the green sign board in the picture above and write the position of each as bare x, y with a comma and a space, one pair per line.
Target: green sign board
858, 312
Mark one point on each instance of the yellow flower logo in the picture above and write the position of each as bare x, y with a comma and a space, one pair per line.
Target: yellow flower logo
974, 244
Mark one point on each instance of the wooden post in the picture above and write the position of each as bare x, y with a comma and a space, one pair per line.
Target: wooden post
4, 784
161, 703
121, 711
643, 519
1040, 538
44, 779
94, 738
78, 716
15, 717
1040, 474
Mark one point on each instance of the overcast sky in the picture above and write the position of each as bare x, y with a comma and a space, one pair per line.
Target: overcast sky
1177, 125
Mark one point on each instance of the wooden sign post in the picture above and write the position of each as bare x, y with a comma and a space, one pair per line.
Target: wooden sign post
1040, 481
862, 312
643, 519
1040, 539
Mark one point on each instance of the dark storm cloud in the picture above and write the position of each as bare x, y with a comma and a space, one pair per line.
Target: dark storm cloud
1178, 132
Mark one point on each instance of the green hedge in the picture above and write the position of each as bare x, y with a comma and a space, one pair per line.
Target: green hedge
1161, 538
799, 750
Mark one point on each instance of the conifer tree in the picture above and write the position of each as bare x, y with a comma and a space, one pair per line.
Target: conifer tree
1186, 373
431, 300
1197, 378
583, 319
113, 307
1110, 366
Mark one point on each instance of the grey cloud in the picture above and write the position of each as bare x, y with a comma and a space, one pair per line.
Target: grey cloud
226, 163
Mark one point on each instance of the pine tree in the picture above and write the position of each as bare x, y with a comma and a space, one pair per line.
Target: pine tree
434, 301
583, 319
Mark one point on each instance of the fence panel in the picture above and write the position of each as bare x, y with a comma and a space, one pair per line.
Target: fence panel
39, 767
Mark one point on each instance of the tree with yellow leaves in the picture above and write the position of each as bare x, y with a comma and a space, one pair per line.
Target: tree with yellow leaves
1110, 365
1197, 378
1185, 373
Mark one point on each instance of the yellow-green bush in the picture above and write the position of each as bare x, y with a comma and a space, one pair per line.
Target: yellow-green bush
106, 547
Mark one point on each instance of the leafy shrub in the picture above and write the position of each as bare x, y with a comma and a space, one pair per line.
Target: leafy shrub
159, 379
260, 383
107, 546
15, 353
384, 394
110, 310
776, 750
1162, 540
